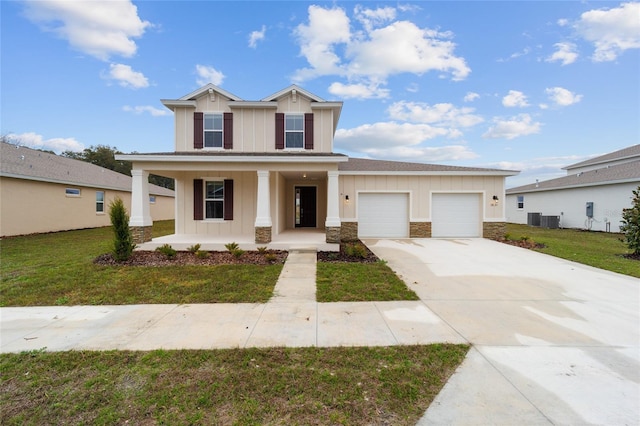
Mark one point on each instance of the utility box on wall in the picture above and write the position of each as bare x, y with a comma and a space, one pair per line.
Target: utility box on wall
590, 209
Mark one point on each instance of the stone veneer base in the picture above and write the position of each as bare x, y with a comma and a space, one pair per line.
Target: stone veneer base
420, 230
141, 234
494, 230
333, 234
263, 234
349, 231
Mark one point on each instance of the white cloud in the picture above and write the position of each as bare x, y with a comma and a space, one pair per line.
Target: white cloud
562, 97
141, 109
515, 99
427, 154
257, 36
443, 114
563, 22
126, 76
36, 141
375, 50
521, 125
385, 135
565, 53
612, 31
358, 91
207, 74
98, 28
471, 96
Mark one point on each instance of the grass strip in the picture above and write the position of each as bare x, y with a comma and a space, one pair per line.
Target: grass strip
602, 250
359, 282
305, 386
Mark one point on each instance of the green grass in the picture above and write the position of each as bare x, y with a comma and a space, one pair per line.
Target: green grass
58, 269
599, 249
359, 282
304, 386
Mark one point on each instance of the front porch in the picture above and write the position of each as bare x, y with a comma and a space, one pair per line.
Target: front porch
298, 239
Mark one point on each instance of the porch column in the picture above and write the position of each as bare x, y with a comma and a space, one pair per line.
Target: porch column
140, 220
332, 224
263, 213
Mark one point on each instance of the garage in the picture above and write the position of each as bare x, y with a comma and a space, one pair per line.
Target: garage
383, 215
456, 215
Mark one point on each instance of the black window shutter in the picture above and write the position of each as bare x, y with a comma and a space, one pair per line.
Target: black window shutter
198, 130
228, 130
198, 199
308, 131
228, 199
279, 130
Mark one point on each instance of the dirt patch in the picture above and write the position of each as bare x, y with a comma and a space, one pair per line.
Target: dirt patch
153, 258
346, 254
528, 244
632, 256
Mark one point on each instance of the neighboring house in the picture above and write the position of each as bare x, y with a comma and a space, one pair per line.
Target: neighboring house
43, 192
252, 170
591, 196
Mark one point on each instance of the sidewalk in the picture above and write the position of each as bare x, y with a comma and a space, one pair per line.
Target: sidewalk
291, 318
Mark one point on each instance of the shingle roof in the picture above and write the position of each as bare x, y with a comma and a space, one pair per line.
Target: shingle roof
627, 172
629, 152
366, 165
27, 163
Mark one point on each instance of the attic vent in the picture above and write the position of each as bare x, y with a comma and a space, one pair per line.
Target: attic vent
294, 95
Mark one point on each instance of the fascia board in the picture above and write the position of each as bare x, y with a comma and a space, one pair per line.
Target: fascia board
514, 191
252, 104
65, 182
428, 173
172, 103
227, 159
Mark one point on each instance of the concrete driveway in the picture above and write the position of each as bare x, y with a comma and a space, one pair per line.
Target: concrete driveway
555, 342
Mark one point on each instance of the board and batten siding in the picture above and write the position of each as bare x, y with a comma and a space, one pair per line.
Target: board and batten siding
420, 189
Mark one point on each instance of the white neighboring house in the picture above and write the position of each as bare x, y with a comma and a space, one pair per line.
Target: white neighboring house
591, 196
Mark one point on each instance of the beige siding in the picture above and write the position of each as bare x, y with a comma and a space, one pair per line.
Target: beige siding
29, 207
253, 128
420, 189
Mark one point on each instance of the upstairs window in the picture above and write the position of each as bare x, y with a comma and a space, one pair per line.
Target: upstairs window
294, 131
213, 130
521, 201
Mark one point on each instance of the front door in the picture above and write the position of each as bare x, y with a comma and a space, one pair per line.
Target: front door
305, 206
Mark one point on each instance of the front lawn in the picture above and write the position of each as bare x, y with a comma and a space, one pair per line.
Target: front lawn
599, 249
304, 386
58, 269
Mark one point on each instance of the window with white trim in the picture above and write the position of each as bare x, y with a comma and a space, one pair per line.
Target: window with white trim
294, 131
214, 200
213, 130
521, 201
99, 201
152, 199
72, 192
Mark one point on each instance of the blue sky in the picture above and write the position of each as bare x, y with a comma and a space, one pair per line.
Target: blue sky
528, 85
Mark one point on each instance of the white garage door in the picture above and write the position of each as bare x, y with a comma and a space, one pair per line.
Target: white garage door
384, 215
455, 216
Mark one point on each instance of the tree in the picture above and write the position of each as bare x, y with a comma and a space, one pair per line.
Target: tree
631, 223
123, 242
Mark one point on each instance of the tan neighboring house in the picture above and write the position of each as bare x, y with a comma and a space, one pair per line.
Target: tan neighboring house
43, 192
253, 171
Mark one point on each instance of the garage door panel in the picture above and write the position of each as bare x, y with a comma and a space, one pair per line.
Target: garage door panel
383, 215
456, 216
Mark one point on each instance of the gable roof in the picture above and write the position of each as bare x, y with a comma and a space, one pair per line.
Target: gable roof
366, 166
619, 173
625, 153
291, 88
25, 163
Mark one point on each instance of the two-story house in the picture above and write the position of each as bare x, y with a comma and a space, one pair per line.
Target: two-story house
250, 171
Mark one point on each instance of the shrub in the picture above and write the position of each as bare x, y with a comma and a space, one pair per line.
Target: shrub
231, 247
123, 242
262, 250
270, 257
167, 250
631, 223
356, 250
194, 248
202, 254
237, 253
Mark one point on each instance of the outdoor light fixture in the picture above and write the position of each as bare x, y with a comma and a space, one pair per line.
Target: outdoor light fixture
495, 200
346, 199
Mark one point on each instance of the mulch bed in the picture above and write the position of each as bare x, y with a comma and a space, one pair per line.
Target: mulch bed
528, 244
153, 258
342, 256
632, 256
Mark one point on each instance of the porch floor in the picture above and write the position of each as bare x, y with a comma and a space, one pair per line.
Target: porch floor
291, 239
